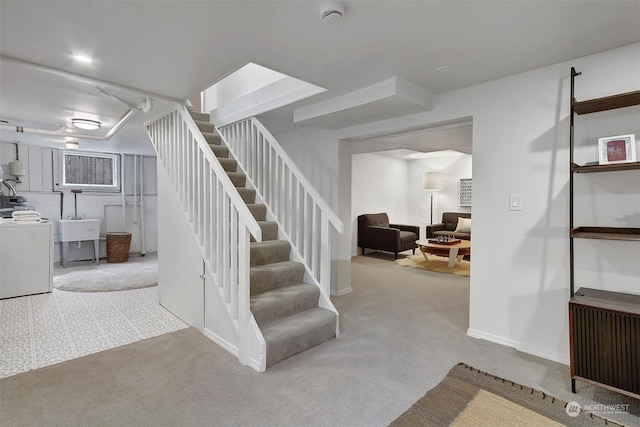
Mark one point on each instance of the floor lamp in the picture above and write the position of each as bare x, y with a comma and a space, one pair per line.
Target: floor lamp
432, 182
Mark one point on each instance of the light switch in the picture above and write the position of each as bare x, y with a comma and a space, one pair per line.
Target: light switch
515, 202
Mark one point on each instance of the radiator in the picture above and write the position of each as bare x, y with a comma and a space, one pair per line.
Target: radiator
605, 339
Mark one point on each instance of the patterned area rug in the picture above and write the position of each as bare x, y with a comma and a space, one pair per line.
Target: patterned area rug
437, 264
137, 272
469, 397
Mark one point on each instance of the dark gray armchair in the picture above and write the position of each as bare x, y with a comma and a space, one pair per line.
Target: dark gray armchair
448, 226
375, 232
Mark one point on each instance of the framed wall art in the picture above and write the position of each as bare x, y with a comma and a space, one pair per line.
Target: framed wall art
617, 149
464, 192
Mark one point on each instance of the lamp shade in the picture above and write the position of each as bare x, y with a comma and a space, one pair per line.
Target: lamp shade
432, 181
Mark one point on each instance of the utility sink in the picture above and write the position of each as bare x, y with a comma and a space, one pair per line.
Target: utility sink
74, 230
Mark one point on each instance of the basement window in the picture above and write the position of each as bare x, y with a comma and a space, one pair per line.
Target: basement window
90, 171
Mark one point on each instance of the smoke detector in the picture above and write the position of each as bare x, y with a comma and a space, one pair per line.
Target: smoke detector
331, 11
145, 105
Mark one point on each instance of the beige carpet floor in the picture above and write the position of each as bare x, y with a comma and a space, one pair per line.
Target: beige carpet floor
402, 329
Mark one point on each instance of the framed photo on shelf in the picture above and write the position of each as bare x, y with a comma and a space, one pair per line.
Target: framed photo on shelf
617, 149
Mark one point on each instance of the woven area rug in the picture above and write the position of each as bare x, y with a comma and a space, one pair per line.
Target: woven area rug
137, 272
437, 264
469, 397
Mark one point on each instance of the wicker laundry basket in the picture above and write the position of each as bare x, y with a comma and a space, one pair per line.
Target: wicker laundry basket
118, 247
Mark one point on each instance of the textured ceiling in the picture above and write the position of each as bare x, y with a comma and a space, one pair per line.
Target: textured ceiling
174, 49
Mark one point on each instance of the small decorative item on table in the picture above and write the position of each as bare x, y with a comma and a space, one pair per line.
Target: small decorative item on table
617, 149
445, 240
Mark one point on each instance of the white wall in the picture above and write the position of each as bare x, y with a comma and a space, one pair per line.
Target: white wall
42, 166
378, 184
452, 168
520, 273
320, 168
180, 261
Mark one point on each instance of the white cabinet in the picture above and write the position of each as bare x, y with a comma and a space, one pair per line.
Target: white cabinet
26, 258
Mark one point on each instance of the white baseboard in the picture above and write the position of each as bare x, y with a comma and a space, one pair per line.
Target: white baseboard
256, 365
525, 348
474, 333
545, 354
221, 342
342, 292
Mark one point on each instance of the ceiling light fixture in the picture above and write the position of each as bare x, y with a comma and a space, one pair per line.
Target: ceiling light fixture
331, 11
72, 145
86, 124
82, 58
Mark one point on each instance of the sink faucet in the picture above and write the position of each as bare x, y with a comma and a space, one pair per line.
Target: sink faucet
3, 181
11, 189
75, 202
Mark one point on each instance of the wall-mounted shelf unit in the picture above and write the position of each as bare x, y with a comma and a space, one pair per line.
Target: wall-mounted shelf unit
614, 102
604, 326
616, 167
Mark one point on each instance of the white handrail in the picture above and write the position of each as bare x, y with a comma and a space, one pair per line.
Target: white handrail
220, 220
303, 216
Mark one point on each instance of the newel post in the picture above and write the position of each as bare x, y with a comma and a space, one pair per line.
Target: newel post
244, 312
325, 254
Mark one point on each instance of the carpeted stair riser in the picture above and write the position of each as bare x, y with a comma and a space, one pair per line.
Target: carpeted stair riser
269, 251
212, 138
248, 195
219, 150
229, 165
205, 126
269, 230
259, 211
202, 117
283, 302
295, 334
238, 178
264, 278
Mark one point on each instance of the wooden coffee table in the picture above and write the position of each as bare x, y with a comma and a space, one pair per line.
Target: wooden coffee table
455, 252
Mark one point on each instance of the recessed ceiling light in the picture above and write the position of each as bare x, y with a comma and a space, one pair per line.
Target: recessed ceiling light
83, 59
86, 124
72, 145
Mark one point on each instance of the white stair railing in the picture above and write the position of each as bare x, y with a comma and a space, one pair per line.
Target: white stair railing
301, 213
221, 221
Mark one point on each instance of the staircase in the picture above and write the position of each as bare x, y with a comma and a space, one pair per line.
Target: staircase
285, 308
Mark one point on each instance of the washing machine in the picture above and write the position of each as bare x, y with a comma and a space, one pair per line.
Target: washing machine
26, 257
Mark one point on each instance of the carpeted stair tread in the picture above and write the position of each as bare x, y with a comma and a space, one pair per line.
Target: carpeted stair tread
205, 126
295, 334
219, 150
203, 117
238, 179
278, 274
228, 165
269, 251
269, 230
283, 302
248, 195
258, 210
212, 138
